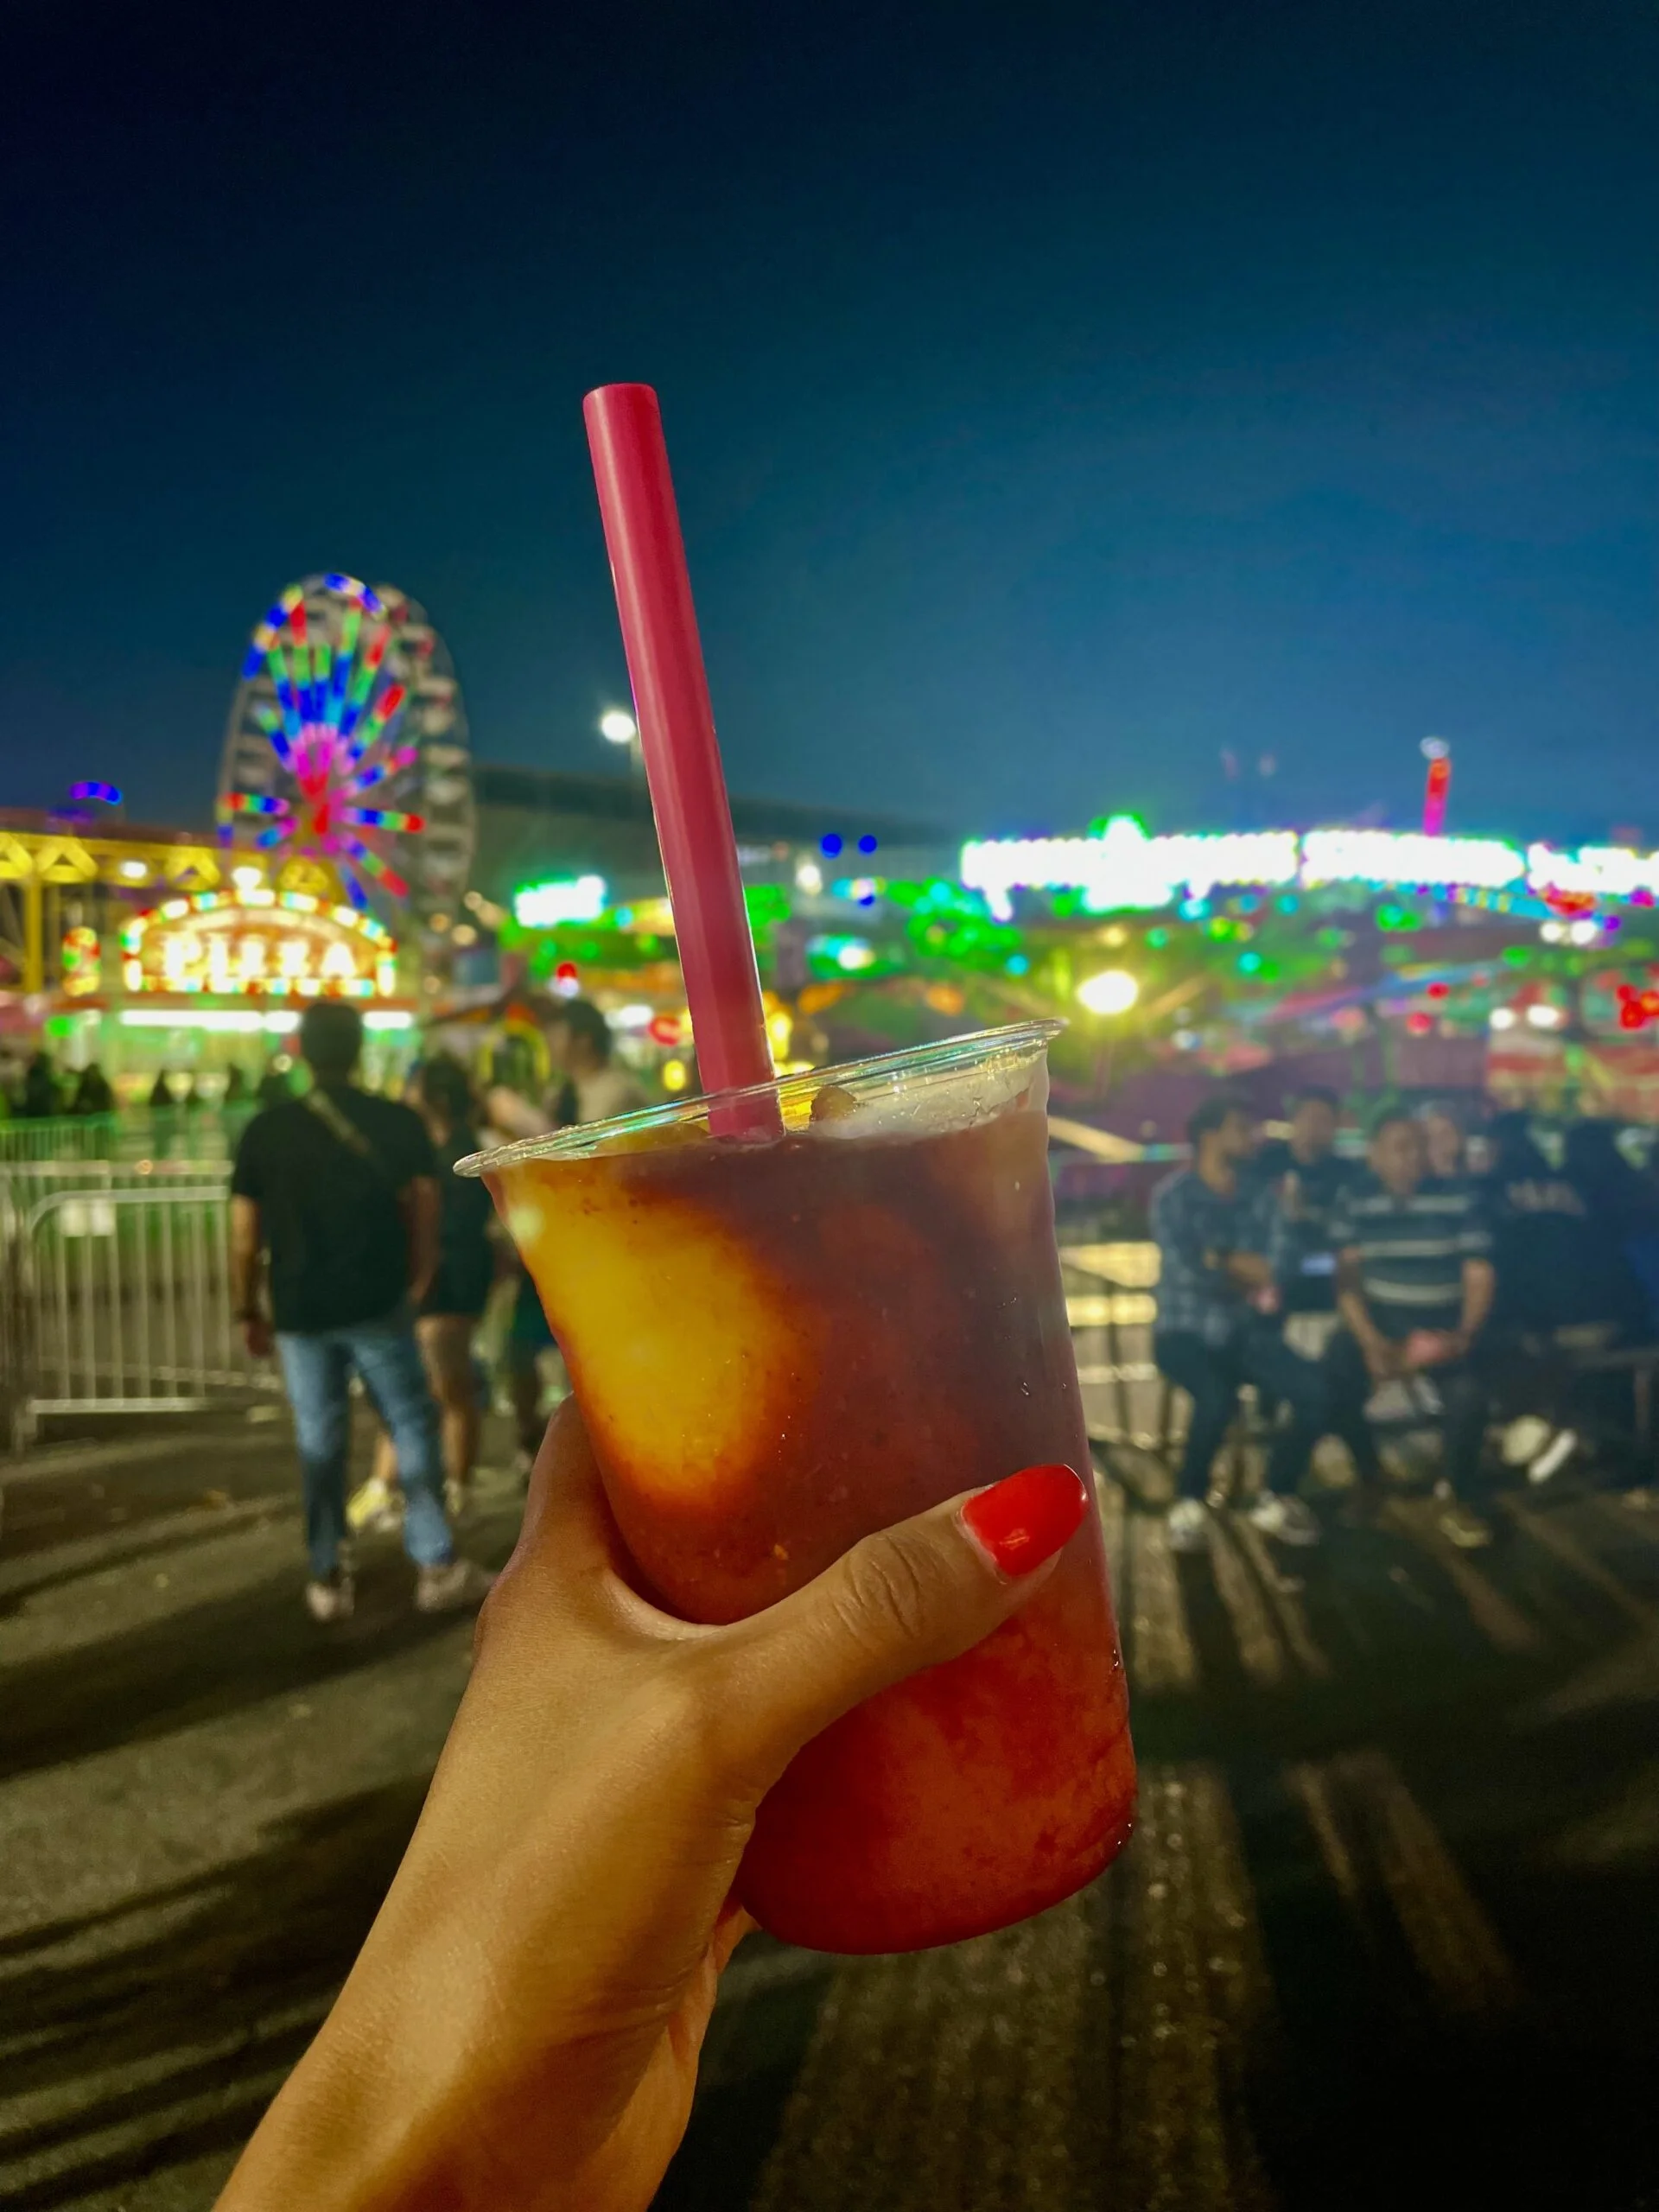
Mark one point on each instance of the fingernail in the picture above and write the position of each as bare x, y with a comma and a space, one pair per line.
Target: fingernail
1021, 1521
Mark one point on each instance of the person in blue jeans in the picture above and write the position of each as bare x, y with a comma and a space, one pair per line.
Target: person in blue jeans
338, 1192
1215, 1293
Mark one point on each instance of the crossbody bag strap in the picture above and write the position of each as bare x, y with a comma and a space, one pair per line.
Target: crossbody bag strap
340, 1126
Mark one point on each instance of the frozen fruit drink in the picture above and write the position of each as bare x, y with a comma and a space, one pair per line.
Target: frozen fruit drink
783, 1341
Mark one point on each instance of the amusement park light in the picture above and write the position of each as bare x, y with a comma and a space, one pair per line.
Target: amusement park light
1545, 1016
617, 727
544, 906
1113, 991
134, 871
1503, 1017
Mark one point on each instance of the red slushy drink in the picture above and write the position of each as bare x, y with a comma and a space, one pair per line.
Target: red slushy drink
782, 1341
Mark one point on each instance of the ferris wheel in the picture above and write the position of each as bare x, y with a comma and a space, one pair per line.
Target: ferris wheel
347, 745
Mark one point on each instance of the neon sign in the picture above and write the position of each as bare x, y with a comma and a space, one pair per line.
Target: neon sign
1121, 867
258, 943
544, 906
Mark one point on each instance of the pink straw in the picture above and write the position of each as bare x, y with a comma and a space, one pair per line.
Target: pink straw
676, 734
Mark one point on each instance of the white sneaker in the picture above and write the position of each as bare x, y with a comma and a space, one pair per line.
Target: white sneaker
1461, 1525
1553, 1457
1188, 1524
447, 1589
1524, 1438
1288, 1520
375, 1510
331, 1601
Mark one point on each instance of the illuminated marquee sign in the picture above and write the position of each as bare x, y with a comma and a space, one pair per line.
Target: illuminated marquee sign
544, 906
1122, 868
258, 943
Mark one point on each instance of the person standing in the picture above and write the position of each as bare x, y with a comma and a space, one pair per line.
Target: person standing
1211, 1339
338, 1190
452, 1309
1414, 1288
586, 1086
40, 1099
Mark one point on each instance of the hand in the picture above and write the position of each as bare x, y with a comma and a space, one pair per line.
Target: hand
1384, 1361
1435, 1347
522, 2027
257, 1336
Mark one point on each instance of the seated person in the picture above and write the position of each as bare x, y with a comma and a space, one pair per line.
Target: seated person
1209, 1339
1298, 1182
1414, 1285
1446, 1143
1623, 1204
1557, 1267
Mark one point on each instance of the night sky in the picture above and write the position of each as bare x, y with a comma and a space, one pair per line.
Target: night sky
1059, 396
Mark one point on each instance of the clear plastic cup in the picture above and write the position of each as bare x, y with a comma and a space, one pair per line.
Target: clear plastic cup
780, 1342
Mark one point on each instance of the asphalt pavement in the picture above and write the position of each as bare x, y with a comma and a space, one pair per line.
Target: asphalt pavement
1387, 1931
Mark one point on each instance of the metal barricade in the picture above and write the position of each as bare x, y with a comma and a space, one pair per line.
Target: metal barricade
117, 1300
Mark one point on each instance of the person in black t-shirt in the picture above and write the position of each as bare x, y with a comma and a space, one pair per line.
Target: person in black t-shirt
1295, 1184
338, 1191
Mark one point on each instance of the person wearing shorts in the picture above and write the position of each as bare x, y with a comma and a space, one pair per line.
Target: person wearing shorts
450, 1313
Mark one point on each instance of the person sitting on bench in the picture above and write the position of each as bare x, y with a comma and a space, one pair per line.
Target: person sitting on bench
1414, 1285
1211, 1339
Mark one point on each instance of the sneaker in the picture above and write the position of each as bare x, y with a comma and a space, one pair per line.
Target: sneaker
1461, 1525
1524, 1439
1288, 1520
1188, 1524
1390, 1402
375, 1510
447, 1589
1644, 1498
1553, 1457
331, 1600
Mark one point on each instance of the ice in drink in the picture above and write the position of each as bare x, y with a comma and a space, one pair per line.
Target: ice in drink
780, 1342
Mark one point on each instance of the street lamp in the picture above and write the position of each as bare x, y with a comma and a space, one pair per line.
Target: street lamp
1113, 991
618, 727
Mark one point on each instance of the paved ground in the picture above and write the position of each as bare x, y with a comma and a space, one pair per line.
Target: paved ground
1387, 1930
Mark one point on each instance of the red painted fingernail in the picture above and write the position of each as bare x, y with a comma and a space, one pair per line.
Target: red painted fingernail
1024, 1520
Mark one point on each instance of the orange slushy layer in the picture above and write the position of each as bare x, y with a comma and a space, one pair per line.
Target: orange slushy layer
779, 1347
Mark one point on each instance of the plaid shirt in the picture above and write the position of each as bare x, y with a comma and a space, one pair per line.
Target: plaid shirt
1195, 1227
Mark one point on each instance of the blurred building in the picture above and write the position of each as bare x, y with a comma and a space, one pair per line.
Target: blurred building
541, 825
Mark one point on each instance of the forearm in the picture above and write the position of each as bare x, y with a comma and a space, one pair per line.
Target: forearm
1249, 1270
247, 1259
1355, 1314
1479, 1283
424, 1210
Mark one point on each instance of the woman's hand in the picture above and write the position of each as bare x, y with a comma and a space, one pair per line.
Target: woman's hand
522, 2028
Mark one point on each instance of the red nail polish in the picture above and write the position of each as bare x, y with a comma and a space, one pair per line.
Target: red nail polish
1024, 1520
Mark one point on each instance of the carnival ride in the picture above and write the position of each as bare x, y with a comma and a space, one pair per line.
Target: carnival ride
346, 748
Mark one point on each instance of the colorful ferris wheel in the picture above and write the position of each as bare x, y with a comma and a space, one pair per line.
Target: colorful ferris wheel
347, 747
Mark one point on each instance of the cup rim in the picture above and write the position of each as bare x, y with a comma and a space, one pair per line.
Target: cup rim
578, 1142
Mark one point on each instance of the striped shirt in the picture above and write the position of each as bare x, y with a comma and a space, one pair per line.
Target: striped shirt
1411, 1251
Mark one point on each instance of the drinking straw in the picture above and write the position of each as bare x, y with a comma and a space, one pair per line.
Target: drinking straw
676, 735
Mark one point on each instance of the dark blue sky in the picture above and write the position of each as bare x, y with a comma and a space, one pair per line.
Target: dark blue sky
1058, 395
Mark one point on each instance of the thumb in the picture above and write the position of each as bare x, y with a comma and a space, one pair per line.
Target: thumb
906, 1597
